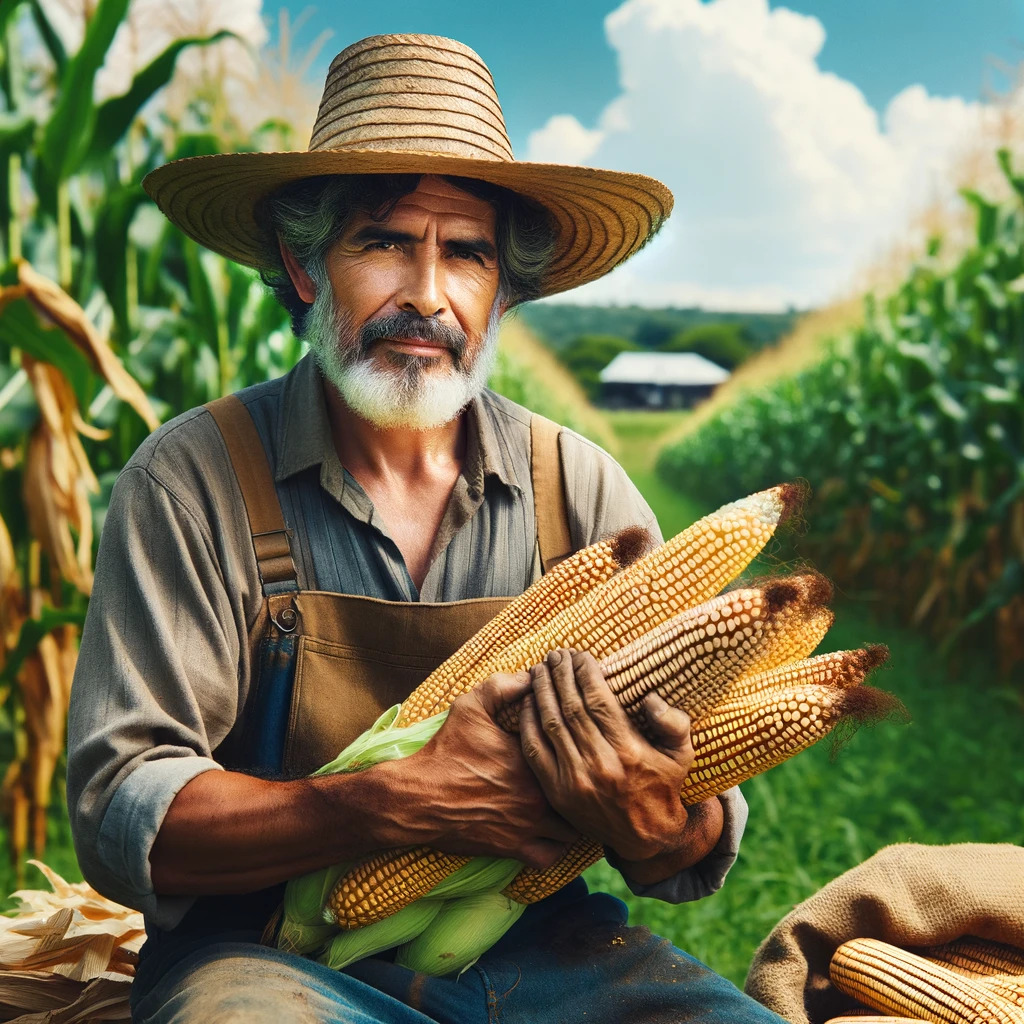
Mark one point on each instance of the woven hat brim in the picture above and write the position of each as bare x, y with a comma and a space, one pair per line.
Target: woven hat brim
601, 217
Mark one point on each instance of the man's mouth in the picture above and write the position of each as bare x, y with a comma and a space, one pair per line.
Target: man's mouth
416, 346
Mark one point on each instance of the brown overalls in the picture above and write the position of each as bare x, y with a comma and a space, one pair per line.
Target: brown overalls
327, 665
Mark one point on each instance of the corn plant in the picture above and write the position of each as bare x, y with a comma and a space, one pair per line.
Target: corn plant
126, 306
911, 432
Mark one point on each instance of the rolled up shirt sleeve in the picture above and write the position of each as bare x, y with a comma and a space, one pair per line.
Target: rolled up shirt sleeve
708, 875
159, 680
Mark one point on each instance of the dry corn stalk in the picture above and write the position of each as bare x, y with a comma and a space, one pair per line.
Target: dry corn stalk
57, 483
896, 981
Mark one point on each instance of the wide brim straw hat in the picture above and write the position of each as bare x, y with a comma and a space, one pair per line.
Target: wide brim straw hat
420, 104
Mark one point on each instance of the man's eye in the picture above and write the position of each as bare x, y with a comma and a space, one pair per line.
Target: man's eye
468, 255
382, 246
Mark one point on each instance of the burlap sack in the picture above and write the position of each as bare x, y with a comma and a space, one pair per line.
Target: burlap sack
908, 894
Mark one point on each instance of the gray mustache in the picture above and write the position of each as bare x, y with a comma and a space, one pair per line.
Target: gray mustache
410, 326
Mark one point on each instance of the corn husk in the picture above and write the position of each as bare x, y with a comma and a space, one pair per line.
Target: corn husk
462, 932
384, 741
352, 945
304, 897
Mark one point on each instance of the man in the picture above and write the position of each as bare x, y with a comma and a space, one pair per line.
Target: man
275, 571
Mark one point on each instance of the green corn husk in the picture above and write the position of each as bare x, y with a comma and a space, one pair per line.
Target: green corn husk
479, 875
305, 896
384, 742
304, 939
462, 932
349, 946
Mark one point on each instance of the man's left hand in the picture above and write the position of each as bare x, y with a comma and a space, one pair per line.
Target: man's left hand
601, 774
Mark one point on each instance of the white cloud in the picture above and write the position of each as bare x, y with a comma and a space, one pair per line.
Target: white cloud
785, 178
564, 140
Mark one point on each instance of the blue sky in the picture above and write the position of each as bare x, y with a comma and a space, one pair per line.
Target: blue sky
548, 57
799, 138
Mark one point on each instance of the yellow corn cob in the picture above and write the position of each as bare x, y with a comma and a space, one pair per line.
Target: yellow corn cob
747, 737
971, 955
871, 1018
838, 668
1008, 986
566, 583
533, 884
739, 740
894, 981
679, 574
387, 882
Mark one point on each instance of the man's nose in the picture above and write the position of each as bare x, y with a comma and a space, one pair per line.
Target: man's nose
422, 288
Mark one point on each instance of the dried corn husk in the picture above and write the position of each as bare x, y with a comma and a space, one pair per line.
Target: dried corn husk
68, 956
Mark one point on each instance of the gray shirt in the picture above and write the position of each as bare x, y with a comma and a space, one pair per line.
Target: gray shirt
163, 671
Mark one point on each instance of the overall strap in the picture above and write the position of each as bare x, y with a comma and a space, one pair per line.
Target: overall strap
549, 493
266, 521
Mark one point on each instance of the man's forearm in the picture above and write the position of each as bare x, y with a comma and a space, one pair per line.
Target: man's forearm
226, 832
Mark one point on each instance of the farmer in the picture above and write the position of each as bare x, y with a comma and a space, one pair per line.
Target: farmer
275, 572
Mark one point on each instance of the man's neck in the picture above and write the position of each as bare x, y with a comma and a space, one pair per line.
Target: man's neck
393, 453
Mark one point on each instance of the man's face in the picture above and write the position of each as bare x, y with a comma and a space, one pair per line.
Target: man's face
408, 331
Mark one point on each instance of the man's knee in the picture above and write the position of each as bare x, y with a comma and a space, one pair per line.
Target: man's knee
236, 989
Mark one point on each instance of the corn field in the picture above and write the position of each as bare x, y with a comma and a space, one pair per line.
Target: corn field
911, 434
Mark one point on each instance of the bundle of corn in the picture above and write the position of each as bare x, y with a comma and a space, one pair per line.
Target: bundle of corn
969, 981
737, 662
69, 955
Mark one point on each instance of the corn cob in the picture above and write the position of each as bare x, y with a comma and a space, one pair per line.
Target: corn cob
742, 739
839, 668
679, 574
566, 583
871, 1018
894, 981
386, 883
971, 955
533, 884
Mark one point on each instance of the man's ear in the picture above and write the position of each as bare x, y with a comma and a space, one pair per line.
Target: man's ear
303, 283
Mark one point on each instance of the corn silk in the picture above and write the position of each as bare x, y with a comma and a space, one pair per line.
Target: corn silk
444, 931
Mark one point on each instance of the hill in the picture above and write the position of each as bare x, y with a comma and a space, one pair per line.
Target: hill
558, 324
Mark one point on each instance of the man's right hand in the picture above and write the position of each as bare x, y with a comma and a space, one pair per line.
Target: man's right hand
470, 789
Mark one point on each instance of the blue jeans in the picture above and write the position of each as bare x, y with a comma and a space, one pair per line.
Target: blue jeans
571, 958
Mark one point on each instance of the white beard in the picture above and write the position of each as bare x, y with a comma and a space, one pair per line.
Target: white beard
414, 395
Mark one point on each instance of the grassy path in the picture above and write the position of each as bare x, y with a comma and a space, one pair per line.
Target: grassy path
954, 774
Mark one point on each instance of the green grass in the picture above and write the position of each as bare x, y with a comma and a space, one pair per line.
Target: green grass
954, 774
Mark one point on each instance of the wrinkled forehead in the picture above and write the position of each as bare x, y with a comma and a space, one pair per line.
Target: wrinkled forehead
440, 200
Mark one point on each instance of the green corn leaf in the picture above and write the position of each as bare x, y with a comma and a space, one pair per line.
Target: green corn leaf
16, 131
51, 40
21, 327
7, 9
110, 241
32, 633
67, 134
114, 117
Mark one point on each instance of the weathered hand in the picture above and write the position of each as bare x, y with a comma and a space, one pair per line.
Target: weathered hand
602, 775
474, 791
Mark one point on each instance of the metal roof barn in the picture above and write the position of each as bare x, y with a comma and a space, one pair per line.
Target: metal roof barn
659, 380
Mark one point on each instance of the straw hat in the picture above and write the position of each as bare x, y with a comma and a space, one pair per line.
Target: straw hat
414, 104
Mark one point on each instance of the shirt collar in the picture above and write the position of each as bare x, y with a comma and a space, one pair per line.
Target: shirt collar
305, 438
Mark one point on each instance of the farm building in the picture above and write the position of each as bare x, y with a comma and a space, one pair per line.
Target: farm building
659, 380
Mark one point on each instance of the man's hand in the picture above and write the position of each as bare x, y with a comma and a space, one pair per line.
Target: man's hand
471, 790
602, 775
